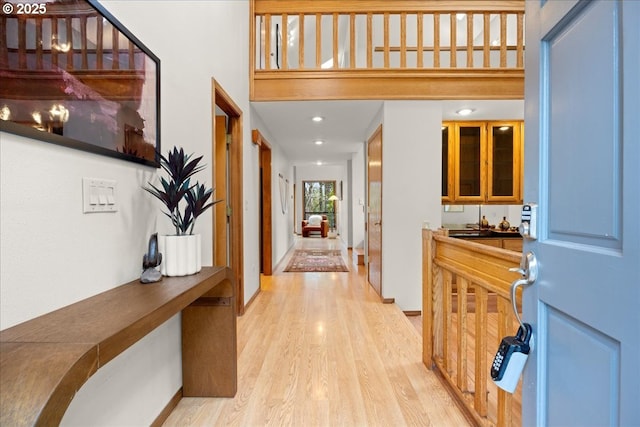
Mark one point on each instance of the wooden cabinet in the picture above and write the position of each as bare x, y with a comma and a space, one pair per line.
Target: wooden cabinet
510, 244
482, 162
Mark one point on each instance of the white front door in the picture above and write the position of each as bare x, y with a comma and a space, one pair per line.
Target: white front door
582, 167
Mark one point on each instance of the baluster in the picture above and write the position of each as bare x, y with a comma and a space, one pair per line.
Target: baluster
285, 41
403, 40
420, 47
503, 40
267, 41
486, 44
115, 42
520, 46
39, 63
369, 40
4, 50
318, 40
386, 40
301, 41
469, 40
22, 43
446, 318
436, 40
438, 320
335, 40
70, 65
352, 40
132, 56
462, 285
480, 374
99, 43
453, 41
504, 398
83, 40
54, 39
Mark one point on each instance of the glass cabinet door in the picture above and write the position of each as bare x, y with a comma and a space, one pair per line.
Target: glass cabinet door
447, 162
504, 166
470, 162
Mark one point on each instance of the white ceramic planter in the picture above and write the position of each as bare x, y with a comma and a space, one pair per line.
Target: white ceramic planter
181, 255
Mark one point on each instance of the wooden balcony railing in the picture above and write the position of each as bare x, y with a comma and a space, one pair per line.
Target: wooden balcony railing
38, 54
377, 49
466, 312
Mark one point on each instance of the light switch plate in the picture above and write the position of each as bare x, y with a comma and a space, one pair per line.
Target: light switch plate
99, 195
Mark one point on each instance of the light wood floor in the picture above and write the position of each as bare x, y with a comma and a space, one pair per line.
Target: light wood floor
319, 349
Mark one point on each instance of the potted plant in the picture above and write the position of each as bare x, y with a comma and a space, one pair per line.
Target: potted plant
185, 202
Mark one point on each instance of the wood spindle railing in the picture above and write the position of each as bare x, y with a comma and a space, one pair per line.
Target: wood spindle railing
459, 337
71, 52
352, 9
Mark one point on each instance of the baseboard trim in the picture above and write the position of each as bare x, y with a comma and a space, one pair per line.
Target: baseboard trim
253, 297
388, 300
412, 313
168, 409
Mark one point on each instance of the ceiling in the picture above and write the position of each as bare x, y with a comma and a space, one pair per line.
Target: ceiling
346, 124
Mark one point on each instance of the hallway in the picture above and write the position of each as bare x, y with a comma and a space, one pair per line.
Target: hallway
319, 349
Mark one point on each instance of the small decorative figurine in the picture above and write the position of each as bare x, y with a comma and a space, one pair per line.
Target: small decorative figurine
484, 223
504, 225
150, 261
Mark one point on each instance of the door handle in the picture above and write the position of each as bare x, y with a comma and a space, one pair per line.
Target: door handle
529, 271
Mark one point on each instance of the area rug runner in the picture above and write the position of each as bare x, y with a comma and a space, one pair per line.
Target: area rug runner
316, 260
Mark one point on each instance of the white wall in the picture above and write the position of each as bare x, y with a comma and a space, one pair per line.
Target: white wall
52, 255
282, 223
358, 197
411, 173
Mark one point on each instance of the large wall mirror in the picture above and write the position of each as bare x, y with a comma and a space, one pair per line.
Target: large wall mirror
71, 74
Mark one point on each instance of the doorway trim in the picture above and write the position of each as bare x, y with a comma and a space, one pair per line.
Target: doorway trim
266, 214
220, 99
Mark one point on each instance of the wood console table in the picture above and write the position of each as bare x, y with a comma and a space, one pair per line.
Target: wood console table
44, 361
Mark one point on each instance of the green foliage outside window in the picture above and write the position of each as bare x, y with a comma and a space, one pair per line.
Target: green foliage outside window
316, 200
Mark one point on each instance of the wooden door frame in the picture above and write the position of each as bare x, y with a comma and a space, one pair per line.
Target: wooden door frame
267, 216
220, 99
220, 156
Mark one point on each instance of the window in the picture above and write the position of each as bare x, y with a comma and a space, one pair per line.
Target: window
316, 200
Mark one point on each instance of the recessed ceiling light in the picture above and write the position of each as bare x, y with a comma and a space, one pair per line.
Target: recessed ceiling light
317, 119
319, 163
465, 111
318, 142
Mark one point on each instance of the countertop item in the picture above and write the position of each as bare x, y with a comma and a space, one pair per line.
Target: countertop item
484, 233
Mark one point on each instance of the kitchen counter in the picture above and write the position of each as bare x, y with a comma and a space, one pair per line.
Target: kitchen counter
487, 233
511, 240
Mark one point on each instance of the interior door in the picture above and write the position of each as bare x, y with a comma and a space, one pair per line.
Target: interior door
374, 218
582, 167
221, 250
